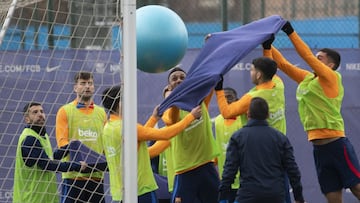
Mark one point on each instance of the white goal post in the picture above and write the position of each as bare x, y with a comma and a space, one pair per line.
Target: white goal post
43, 44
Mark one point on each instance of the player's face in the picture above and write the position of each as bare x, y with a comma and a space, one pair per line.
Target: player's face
84, 89
322, 56
176, 78
254, 75
35, 116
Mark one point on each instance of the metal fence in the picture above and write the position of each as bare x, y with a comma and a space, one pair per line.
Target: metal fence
56, 23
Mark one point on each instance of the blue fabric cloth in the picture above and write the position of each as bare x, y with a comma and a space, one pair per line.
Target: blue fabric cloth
222, 51
80, 152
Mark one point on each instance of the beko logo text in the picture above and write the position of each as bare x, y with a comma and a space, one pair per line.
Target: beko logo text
19, 68
87, 133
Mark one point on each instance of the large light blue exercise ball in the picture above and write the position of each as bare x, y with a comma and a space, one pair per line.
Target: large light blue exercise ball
161, 38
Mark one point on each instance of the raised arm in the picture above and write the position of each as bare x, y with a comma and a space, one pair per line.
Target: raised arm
208, 99
153, 118
146, 133
295, 73
234, 109
327, 77
171, 115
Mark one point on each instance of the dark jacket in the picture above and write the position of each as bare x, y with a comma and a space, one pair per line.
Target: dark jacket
263, 155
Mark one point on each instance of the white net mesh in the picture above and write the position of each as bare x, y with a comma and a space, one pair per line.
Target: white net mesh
45, 42
6, 4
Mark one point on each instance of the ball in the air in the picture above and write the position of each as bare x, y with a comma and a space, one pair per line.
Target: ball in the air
161, 38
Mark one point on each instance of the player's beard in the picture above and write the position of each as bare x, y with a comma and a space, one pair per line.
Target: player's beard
39, 122
85, 97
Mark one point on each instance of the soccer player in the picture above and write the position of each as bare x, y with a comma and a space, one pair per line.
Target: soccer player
319, 95
193, 152
82, 120
111, 100
161, 150
34, 179
224, 129
268, 86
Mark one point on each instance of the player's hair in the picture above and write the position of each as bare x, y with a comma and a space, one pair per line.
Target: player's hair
259, 109
266, 65
29, 105
176, 68
231, 90
111, 98
333, 55
83, 75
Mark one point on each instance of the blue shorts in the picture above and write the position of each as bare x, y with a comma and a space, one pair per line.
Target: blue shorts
149, 197
82, 191
197, 185
337, 165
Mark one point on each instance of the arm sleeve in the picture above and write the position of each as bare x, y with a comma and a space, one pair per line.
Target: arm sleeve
61, 152
171, 115
207, 99
295, 73
146, 133
158, 147
267, 53
151, 122
234, 109
33, 153
62, 130
327, 77
292, 169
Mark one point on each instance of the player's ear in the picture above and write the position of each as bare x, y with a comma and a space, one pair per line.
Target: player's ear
258, 75
331, 65
26, 119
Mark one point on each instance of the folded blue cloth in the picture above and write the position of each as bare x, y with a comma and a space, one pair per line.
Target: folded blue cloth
80, 152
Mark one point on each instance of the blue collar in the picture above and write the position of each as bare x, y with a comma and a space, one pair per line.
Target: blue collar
82, 105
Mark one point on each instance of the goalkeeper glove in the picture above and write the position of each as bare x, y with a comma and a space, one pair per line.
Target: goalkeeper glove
219, 85
268, 42
287, 28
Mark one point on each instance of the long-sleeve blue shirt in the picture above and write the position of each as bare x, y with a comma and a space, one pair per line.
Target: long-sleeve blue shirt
263, 155
33, 153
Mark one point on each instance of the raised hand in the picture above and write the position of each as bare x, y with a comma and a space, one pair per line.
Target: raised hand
267, 44
219, 85
287, 28
196, 112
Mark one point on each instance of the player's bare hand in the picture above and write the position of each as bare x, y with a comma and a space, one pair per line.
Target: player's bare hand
166, 91
196, 112
84, 165
207, 37
155, 112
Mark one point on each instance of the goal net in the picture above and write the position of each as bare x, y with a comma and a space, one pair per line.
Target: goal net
44, 44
